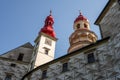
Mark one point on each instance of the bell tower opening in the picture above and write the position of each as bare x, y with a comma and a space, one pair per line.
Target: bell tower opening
85, 25
78, 26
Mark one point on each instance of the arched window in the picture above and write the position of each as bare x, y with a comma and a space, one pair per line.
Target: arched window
49, 23
78, 26
85, 26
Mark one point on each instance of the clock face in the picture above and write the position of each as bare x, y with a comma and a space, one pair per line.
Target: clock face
48, 42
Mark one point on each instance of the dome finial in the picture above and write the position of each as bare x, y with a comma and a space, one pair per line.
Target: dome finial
80, 12
50, 12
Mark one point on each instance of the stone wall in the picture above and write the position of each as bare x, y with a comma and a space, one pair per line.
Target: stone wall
17, 71
110, 24
10, 65
106, 66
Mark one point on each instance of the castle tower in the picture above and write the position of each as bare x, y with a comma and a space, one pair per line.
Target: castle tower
82, 34
45, 42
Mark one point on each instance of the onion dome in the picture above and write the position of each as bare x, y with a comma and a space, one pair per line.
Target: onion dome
48, 26
81, 17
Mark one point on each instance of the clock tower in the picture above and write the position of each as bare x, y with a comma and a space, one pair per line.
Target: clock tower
45, 43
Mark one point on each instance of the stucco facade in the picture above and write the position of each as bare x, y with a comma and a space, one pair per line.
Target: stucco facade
41, 46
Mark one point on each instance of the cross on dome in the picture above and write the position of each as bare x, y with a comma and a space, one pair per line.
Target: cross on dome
50, 12
80, 12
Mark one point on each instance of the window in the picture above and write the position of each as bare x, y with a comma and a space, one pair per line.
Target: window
46, 50
13, 65
8, 77
78, 26
91, 58
44, 74
119, 2
20, 57
48, 42
49, 23
65, 67
85, 25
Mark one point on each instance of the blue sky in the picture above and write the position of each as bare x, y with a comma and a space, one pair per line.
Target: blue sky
21, 20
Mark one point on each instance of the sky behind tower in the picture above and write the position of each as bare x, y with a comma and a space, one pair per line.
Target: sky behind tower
21, 20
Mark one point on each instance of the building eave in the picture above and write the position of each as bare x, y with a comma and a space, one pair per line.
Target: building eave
41, 33
104, 11
14, 61
24, 45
